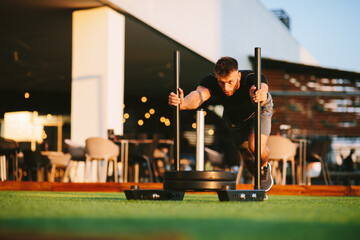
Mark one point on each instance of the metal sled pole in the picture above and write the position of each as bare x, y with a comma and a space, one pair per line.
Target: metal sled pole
177, 113
257, 64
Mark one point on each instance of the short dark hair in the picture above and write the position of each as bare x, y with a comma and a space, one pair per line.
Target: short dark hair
224, 66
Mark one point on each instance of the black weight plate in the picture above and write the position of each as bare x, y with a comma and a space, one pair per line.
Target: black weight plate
199, 185
200, 175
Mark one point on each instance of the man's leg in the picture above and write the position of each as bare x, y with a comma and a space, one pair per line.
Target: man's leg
265, 168
264, 148
248, 152
266, 180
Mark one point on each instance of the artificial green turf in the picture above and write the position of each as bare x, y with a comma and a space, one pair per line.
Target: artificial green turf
199, 216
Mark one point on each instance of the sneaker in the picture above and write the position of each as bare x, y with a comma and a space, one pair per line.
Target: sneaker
266, 180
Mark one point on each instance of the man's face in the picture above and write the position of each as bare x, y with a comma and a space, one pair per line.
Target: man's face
230, 83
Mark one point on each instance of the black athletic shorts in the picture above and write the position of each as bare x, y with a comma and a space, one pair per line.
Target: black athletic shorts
240, 132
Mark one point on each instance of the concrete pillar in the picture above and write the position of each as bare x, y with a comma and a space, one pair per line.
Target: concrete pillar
97, 91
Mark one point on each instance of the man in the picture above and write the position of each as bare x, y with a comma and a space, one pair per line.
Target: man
235, 90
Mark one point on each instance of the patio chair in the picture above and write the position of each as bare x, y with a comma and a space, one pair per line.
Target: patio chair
101, 150
281, 149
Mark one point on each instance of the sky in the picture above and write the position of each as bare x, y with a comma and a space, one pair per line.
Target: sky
328, 29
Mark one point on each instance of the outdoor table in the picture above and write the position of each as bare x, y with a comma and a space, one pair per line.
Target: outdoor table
302, 160
124, 152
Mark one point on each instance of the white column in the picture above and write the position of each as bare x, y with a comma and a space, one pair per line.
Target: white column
97, 93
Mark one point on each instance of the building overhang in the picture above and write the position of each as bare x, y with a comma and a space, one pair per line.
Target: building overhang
291, 67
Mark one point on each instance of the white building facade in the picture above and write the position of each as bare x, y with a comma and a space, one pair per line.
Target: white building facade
209, 28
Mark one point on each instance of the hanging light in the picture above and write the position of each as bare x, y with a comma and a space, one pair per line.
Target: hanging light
211, 132
43, 134
152, 111
167, 122
144, 99
140, 122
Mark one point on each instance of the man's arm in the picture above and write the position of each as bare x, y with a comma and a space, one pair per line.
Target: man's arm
259, 95
192, 101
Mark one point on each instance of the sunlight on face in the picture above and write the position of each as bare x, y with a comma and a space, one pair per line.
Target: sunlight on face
230, 83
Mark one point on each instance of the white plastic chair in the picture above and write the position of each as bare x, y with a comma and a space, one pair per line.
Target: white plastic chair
101, 149
282, 149
59, 160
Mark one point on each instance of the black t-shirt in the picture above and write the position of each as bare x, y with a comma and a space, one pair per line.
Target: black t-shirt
239, 106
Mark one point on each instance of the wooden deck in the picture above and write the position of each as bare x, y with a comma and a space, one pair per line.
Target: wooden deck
314, 190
